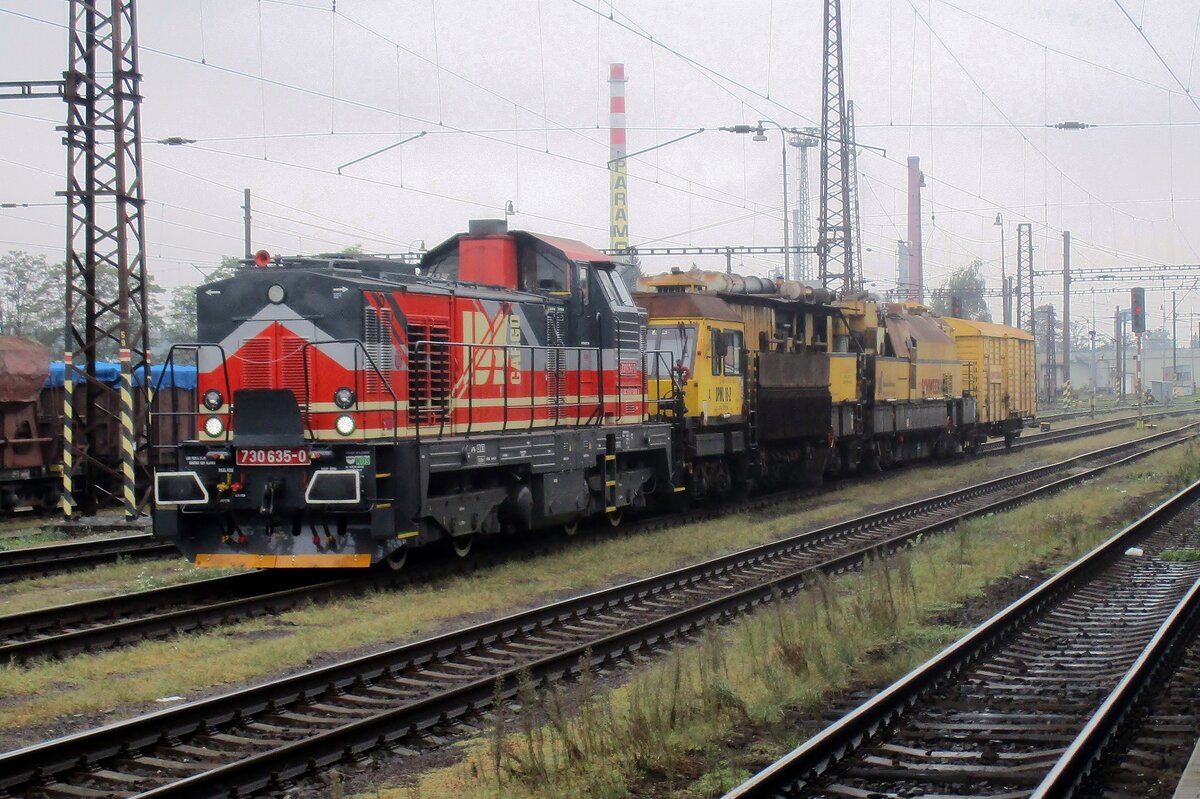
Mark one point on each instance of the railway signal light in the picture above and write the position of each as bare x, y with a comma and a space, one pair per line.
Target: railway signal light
956, 306
1137, 307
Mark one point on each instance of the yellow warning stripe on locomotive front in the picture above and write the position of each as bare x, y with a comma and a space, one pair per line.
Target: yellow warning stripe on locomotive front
206, 560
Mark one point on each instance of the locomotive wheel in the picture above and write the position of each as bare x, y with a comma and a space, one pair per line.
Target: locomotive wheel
462, 544
571, 527
614, 517
397, 559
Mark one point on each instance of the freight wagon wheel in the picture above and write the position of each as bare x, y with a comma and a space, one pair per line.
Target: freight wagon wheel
462, 544
397, 559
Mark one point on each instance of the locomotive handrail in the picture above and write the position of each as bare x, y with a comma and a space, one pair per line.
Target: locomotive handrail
661, 358
358, 345
169, 368
468, 369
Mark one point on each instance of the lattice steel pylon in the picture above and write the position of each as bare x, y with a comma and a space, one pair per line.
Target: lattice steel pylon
804, 140
835, 241
1025, 293
106, 291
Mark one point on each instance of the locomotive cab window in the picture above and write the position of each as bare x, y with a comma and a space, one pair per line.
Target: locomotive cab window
581, 273
445, 267
733, 353
674, 346
726, 352
614, 287
545, 271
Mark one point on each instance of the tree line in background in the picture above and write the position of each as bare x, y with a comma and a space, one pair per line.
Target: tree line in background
31, 303
966, 288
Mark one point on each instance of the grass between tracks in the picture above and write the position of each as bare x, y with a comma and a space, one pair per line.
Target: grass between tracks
702, 720
55, 697
118, 578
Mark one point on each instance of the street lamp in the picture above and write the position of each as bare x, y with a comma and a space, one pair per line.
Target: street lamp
760, 134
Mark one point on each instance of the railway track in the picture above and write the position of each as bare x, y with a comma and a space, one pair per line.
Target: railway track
16, 564
413, 696
19, 564
1080, 431
129, 618
1139, 742
1024, 705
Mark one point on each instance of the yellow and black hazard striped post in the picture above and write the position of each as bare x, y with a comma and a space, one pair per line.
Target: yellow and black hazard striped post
67, 500
1067, 399
129, 490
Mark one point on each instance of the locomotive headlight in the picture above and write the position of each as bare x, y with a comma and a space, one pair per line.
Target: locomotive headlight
213, 399
344, 425
213, 426
343, 398
276, 293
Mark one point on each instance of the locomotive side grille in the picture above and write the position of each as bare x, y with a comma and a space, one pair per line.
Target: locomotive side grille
257, 368
377, 338
556, 359
428, 369
630, 336
291, 356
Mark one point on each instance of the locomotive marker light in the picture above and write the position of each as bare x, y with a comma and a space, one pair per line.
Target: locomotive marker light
345, 425
213, 427
344, 398
1137, 317
276, 293
213, 399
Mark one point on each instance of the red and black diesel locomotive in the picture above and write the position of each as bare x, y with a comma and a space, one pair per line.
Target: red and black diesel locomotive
354, 408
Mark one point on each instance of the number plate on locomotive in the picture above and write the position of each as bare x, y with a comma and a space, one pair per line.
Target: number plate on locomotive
272, 456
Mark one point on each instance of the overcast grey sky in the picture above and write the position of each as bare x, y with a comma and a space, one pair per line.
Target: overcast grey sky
278, 93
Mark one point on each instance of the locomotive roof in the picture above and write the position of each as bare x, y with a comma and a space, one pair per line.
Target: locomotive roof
685, 305
359, 273
570, 248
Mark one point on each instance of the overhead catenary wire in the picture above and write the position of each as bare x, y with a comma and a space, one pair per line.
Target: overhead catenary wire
933, 177
1142, 32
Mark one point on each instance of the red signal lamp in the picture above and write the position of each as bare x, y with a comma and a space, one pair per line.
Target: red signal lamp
262, 258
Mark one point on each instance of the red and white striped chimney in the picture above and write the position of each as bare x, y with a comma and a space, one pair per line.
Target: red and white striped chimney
618, 216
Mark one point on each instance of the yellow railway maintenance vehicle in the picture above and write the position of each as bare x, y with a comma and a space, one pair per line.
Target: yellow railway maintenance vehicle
781, 382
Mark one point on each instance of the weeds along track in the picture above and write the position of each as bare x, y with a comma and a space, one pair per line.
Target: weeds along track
129, 618
1024, 705
415, 696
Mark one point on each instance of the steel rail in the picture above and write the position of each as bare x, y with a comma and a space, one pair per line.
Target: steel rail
822, 752
1084, 753
1079, 431
557, 653
96, 624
